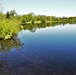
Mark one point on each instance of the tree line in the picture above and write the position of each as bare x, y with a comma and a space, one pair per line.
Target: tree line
31, 17
11, 22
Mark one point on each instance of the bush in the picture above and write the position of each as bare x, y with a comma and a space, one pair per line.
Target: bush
8, 28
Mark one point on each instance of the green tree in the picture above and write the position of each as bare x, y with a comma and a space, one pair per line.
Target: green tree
8, 15
13, 13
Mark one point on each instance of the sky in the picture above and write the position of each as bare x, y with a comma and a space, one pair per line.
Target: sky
41, 7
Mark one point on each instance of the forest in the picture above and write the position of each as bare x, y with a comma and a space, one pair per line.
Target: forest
11, 22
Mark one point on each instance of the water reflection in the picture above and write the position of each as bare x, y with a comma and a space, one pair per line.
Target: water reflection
32, 27
47, 51
7, 45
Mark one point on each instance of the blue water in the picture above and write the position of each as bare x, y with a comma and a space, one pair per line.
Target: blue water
47, 51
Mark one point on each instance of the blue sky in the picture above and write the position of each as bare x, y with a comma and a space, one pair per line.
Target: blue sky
45, 7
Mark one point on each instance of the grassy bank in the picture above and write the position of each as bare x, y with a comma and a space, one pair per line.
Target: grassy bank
30, 22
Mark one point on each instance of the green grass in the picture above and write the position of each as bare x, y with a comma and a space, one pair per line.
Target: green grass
28, 22
37, 22
40, 22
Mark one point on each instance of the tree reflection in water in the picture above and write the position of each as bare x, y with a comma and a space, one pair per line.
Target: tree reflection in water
5, 48
32, 27
7, 45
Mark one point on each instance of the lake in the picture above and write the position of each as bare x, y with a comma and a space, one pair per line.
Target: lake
41, 51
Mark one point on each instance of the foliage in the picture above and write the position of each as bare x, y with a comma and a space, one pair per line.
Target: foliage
8, 28
8, 15
13, 13
10, 23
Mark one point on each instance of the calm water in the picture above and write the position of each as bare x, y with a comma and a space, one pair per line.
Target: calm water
47, 51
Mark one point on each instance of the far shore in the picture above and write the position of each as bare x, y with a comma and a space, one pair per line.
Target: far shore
41, 22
